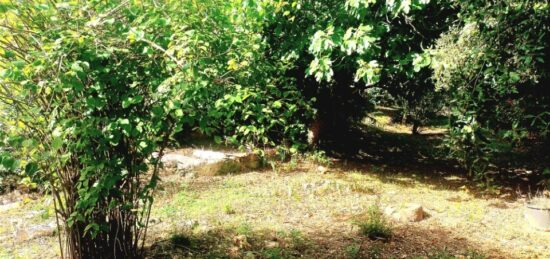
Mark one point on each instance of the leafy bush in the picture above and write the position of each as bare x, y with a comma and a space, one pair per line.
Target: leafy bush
85, 114
492, 67
90, 91
233, 92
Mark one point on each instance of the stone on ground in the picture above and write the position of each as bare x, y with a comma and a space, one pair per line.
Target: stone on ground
411, 213
209, 162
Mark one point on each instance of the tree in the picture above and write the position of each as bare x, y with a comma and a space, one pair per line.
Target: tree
339, 49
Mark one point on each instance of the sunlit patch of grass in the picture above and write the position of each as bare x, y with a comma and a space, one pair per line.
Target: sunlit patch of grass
34, 249
445, 254
382, 120
222, 202
244, 229
4, 253
274, 203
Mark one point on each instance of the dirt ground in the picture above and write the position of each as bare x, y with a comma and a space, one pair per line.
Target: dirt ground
308, 212
322, 208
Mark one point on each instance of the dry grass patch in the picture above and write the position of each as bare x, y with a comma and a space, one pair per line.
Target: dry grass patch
324, 207
306, 213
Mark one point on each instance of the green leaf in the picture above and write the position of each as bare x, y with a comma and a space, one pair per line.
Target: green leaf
31, 169
94, 227
277, 104
178, 113
57, 143
9, 163
76, 67
129, 101
514, 77
143, 144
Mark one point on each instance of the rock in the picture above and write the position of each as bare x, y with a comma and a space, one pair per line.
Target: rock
210, 163
7, 206
234, 252
209, 155
321, 169
171, 160
220, 164
414, 213
271, 244
241, 242
188, 164
22, 234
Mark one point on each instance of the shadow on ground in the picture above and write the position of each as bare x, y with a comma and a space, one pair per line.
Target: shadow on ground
421, 157
412, 242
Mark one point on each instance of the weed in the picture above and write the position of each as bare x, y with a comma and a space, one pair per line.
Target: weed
293, 164
375, 226
244, 229
352, 251
45, 214
273, 253
298, 241
229, 210
320, 157
472, 254
374, 251
273, 166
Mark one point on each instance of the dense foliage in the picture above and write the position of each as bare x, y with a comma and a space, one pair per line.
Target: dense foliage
340, 50
229, 88
85, 115
92, 92
491, 65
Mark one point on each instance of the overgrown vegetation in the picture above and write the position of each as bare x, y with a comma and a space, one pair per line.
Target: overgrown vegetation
93, 92
491, 64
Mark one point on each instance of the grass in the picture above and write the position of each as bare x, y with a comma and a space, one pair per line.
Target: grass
320, 210
300, 212
375, 226
305, 213
445, 254
352, 251
28, 212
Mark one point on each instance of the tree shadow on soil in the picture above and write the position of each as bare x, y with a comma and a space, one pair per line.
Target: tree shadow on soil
406, 242
392, 155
